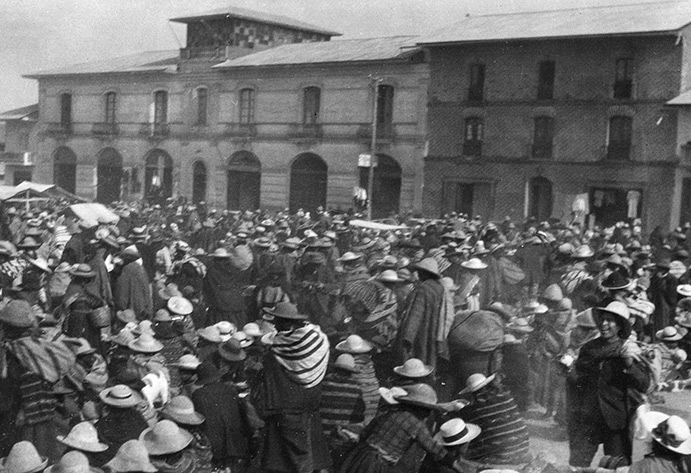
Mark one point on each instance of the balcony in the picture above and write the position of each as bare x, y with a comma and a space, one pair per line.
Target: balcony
58, 130
104, 129
542, 150
240, 130
305, 131
618, 152
155, 131
385, 131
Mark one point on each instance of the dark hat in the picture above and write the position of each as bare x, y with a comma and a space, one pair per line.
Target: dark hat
232, 350
286, 310
616, 281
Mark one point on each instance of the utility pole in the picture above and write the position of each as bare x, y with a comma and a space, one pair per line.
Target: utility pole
373, 148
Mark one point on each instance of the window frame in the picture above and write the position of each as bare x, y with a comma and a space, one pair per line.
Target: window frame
66, 104
543, 137
246, 106
546, 79
201, 96
476, 82
623, 78
619, 149
311, 105
473, 136
110, 107
160, 107
385, 102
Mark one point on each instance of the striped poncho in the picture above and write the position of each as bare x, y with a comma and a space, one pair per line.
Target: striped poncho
303, 353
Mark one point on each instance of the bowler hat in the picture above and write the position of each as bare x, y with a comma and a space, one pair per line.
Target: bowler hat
286, 310
120, 396
476, 381
413, 368
457, 432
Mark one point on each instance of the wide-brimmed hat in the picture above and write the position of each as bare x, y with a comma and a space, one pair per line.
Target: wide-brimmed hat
232, 351
170, 290
616, 281
534, 307
684, 290
354, 344
242, 338
456, 432
162, 315
474, 263
138, 233
82, 271
479, 248
83, 436
187, 362
428, 265
476, 381
389, 276
146, 344
23, 458
519, 325
220, 253
165, 438
286, 310
126, 316
73, 462
390, 396
41, 264
7, 248
132, 456
672, 433
123, 338
583, 252
29, 243
586, 319
18, 313
208, 373
180, 409
552, 293
253, 330
120, 395
422, 395
345, 361
413, 368
210, 334
669, 334
144, 327
225, 329
179, 305
619, 310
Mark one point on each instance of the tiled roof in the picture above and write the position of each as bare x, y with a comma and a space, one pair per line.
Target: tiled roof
149, 61
261, 17
352, 50
640, 18
29, 113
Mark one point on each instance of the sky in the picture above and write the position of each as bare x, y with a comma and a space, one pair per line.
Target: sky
43, 34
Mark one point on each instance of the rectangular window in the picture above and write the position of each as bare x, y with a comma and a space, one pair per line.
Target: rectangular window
543, 137
66, 110
385, 105
476, 89
623, 80
110, 107
472, 142
202, 105
247, 106
311, 104
545, 81
161, 107
619, 146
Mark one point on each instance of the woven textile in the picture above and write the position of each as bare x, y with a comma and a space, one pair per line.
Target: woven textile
303, 353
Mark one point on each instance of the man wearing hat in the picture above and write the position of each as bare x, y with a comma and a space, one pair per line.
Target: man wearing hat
417, 335
223, 289
132, 287
81, 299
122, 421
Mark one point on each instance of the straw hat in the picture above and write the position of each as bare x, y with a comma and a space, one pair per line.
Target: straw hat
391, 395
170, 290
126, 316
242, 338
684, 290
286, 310
231, 350
456, 432
389, 276
82, 271
619, 310
132, 456
187, 362
583, 252
73, 462
476, 381
83, 436
220, 253
120, 396
180, 409
18, 313
520, 325
413, 368
345, 361
669, 334
354, 344
179, 306
422, 395
474, 263
144, 327
123, 338
23, 458
162, 315
165, 438
146, 344
252, 329
210, 334
225, 329
673, 434
429, 265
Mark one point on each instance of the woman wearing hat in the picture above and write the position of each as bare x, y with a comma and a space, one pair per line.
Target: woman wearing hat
180, 410
121, 420
603, 388
170, 335
169, 447
132, 289
361, 350
669, 354
84, 438
397, 440
455, 435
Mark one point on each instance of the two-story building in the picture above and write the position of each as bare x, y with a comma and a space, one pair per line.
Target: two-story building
543, 113
256, 111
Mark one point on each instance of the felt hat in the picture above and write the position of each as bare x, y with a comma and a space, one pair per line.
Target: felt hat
162, 315
225, 329
145, 344
73, 462
165, 438
144, 327
354, 344
180, 409
422, 395
583, 252
684, 319
221, 253
130, 251
684, 290
120, 396
413, 368
242, 338
429, 265
23, 458
210, 334
390, 396
28, 243
585, 319
83, 436
479, 248
179, 306
82, 271
474, 263
170, 290
345, 361
476, 381
553, 293
669, 334
286, 310
83, 347
41, 264
673, 434
232, 351
620, 311
252, 329
123, 338
208, 373
456, 432
616, 281
126, 316
18, 313
132, 456
187, 362
388, 276
519, 325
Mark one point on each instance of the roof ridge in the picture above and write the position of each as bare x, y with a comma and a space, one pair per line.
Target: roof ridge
595, 7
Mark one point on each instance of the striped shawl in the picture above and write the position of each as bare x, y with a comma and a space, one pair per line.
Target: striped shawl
303, 353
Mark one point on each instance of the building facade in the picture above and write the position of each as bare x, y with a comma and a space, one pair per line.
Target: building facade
256, 111
561, 114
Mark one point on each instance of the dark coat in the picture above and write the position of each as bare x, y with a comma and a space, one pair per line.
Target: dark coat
116, 428
133, 291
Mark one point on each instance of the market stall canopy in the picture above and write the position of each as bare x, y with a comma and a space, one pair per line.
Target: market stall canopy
376, 225
92, 214
35, 192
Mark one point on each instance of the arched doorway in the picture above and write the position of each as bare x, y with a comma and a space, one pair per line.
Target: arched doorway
198, 182
244, 181
65, 169
109, 176
540, 198
158, 175
308, 178
386, 186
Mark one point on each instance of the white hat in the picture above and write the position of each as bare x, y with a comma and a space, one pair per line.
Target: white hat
476, 381
456, 432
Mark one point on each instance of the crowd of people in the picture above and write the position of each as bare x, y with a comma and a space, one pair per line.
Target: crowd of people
177, 338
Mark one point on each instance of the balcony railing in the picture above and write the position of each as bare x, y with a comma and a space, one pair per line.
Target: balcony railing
105, 129
235, 130
542, 150
305, 130
154, 130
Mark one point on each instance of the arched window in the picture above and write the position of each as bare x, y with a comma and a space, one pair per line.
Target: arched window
244, 181
109, 176
65, 169
311, 104
198, 182
308, 180
158, 183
